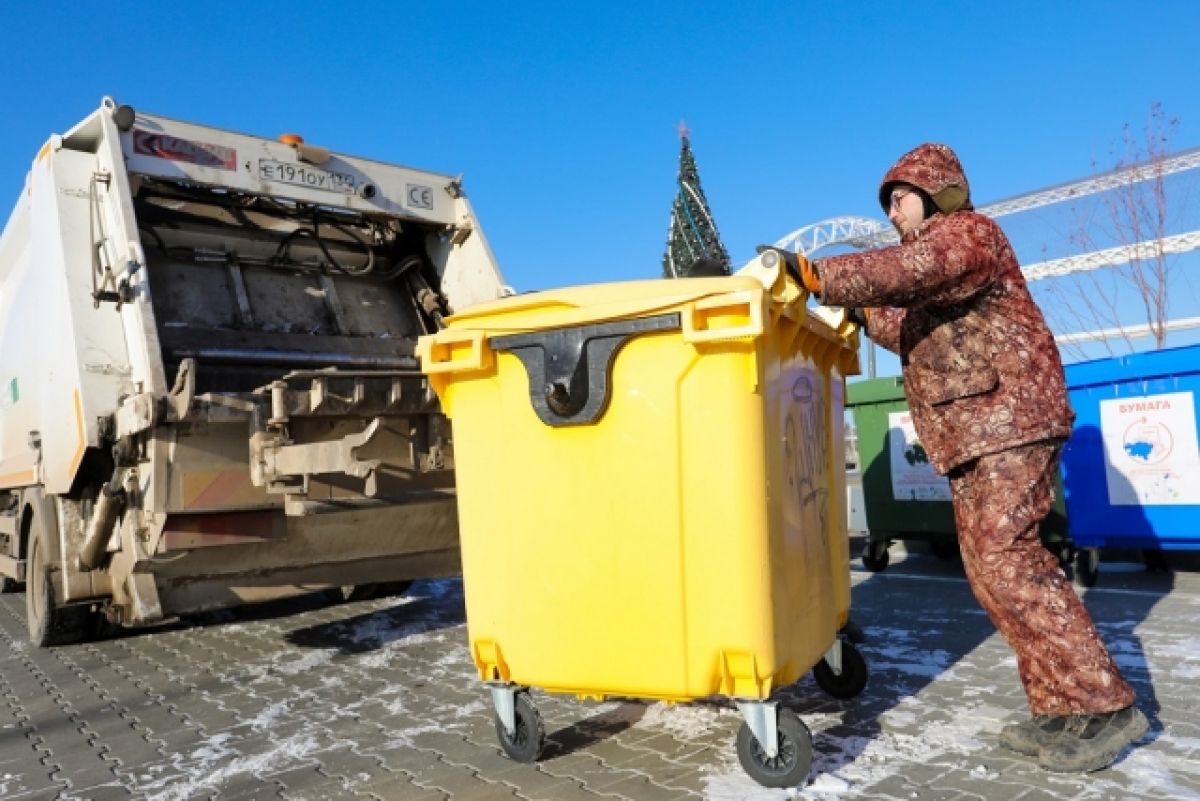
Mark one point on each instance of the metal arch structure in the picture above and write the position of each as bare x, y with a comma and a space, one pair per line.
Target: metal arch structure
859, 232
864, 232
1123, 176
1130, 332
1111, 257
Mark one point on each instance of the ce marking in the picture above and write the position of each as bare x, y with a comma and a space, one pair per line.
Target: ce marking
419, 197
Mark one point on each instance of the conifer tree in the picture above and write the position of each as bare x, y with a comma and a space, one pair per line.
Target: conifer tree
693, 245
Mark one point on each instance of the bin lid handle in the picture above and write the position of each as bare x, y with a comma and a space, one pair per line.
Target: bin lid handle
570, 369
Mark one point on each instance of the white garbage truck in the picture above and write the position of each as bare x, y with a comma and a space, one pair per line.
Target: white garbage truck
208, 393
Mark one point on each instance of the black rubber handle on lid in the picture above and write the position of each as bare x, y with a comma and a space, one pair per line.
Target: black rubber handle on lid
570, 369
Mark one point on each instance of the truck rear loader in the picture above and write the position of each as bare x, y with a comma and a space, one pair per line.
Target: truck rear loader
208, 393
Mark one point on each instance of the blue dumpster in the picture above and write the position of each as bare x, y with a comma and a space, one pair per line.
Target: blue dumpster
1131, 470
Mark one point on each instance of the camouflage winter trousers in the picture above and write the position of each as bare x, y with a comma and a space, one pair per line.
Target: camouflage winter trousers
999, 500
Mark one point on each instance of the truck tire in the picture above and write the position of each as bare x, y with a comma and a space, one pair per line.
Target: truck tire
8, 583
49, 624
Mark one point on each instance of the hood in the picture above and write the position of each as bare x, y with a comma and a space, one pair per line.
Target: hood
934, 169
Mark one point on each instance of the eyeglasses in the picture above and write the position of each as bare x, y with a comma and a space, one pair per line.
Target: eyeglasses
899, 195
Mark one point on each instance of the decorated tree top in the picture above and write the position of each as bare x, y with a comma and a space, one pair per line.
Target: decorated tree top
694, 246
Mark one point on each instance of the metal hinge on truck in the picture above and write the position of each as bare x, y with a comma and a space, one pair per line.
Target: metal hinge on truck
284, 465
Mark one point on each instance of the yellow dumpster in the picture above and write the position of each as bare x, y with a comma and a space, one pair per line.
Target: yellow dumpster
651, 498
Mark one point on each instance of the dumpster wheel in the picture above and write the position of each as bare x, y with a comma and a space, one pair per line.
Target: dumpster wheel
793, 758
1064, 553
850, 682
875, 555
526, 741
944, 549
1087, 566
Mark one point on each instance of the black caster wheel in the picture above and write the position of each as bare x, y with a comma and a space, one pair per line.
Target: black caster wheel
1063, 552
852, 679
875, 555
1155, 561
525, 744
852, 632
1087, 566
793, 757
944, 549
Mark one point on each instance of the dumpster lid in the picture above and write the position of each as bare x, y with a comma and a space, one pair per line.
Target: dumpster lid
1134, 367
874, 390
592, 302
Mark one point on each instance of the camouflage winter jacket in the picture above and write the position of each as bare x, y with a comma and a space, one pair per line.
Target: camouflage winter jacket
981, 370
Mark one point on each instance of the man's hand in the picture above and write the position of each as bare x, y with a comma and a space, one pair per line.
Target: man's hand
799, 267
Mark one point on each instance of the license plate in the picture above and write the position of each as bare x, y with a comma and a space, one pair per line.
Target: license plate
305, 175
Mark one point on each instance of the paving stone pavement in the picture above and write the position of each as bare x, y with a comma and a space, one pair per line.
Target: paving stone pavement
379, 700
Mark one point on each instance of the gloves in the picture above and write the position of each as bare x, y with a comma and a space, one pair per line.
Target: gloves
799, 267
809, 275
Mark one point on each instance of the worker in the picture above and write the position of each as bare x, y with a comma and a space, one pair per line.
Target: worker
988, 397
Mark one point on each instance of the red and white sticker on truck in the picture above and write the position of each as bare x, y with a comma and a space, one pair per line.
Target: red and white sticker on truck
173, 148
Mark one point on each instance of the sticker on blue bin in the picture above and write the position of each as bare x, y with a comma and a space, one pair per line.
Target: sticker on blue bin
913, 477
1150, 448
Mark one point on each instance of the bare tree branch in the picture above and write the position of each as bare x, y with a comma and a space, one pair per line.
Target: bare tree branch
1137, 210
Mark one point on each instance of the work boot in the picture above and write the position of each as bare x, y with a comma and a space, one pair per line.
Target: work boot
1092, 742
1028, 736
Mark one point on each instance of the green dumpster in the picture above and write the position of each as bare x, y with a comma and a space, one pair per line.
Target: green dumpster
905, 498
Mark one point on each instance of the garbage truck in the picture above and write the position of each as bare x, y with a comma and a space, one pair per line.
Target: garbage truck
208, 389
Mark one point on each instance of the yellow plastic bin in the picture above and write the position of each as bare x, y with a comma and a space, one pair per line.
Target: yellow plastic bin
651, 498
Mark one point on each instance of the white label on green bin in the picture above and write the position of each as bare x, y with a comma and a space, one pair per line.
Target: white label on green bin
10, 393
913, 477
1150, 449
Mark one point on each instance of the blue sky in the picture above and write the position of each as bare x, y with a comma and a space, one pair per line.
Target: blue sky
562, 116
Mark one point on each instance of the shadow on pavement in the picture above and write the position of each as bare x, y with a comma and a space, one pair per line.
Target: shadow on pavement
428, 606
594, 729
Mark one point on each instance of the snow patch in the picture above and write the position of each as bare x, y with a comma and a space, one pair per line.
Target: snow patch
740, 787
1188, 648
684, 721
266, 718
472, 708
1142, 767
1186, 744
402, 738
201, 772
304, 663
